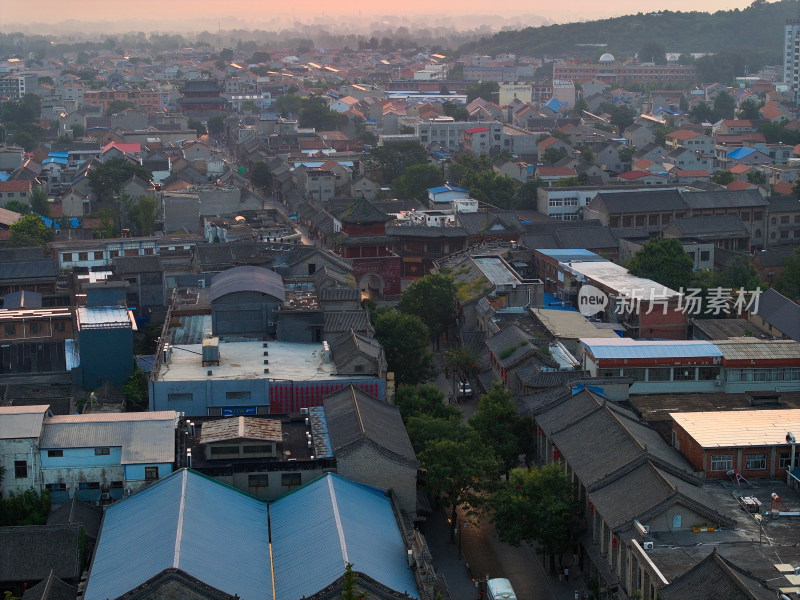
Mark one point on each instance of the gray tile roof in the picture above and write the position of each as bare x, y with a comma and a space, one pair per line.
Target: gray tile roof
717, 226
725, 199
51, 588
511, 338
354, 417
338, 321
338, 294
28, 269
345, 347
138, 264
780, 312
485, 223
715, 577
76, 511
590, 237
640, 201
415, 231
31, 552
783, 204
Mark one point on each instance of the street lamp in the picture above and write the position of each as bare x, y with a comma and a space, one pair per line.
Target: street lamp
790, 439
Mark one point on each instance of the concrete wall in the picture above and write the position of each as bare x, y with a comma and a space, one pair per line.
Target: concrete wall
19, 450
181, 212
300, 326
244, 314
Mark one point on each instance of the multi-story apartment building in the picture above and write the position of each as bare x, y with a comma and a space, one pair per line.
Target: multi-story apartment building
791, 57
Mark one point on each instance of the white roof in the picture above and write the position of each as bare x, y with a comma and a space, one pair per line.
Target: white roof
729, 429
21, 421
618, 279
145, 437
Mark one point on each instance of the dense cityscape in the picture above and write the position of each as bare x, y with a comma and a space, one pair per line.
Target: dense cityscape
400, 315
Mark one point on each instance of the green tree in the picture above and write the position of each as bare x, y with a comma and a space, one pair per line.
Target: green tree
198, 126
287, 105
249, 106
426, 401
425, 430
580, 107
587, 155
664, 261
349, 586
259, 57
459, 113
750, 110
415, 181
18, 206
78, 130
216, 125
537, 504
724, 106
135, 391
432, 298
723, 177
107, 179
756, 177
145, 215
553, 154
621, 115
484, 89
26, 508
30, 230
490, 187
261, 176
702, 112
38, 201
404, 338
314, 112
390, 160
117, 106
527, 194
456, 472
626, 156
462, 363
500, 428
465, 165
740, 275
653, 52
788, 282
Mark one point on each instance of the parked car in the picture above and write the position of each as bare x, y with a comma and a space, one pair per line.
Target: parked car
464, 390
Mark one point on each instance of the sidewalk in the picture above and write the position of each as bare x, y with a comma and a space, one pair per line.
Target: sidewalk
445, 558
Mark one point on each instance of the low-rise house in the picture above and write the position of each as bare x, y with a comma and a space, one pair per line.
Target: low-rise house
778, 315
724, 231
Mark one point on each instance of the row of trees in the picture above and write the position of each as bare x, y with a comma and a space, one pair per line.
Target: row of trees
473, 466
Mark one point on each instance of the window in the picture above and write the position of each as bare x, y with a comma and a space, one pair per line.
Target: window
20, 469
785, 460
659, 374
684, 373
224, 450
56, 487
757, 233
180, 397
772, 220
636, 373
721, 462
83, 256
10, 194
59, 326
97, 255
245, 395
259, 449
784, 235
102, 451
758, 215
258, 480
756, 462
705, 255
113, 254
36, 327
290, 479
10, 329
608, 372
707, 373
151, 473
55, 453
89, 485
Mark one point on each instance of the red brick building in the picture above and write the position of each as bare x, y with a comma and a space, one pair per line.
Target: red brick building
750, 442
363, 241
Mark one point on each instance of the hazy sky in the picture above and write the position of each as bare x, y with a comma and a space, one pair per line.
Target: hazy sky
168, 14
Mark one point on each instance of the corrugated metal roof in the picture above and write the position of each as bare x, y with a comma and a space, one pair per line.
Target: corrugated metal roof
630, 348
100, 317
343, 522
496, 270
246, 428
754, 349
242, 279
319, 432
21, 421
727, 429
186, 521
147, 437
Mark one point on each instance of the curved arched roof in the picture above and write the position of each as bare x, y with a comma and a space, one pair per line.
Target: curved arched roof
607, 57
247, 279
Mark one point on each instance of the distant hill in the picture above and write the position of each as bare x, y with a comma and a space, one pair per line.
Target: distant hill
756, 30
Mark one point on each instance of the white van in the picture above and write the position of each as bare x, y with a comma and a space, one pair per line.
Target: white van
500, 589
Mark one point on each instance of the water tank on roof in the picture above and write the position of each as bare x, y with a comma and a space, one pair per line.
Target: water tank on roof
607, 58
211, 351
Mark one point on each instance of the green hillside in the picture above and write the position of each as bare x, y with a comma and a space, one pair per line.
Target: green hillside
756, 30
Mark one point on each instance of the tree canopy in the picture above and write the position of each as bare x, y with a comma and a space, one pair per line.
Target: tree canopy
390, 160
788, 282
415, 181
664, 261
30, 230
314, 112
261, 176
108, 178
432, 298
500, 428
404, 338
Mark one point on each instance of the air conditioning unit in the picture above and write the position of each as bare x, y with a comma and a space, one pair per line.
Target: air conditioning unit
201, 283
647, 545
304, 411
105, 496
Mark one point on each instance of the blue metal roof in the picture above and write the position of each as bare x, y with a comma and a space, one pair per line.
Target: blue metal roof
328, 523
186, 521
55, 159
740, 153
58, 155
4, 176
568, 254
627, 348
447, 188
